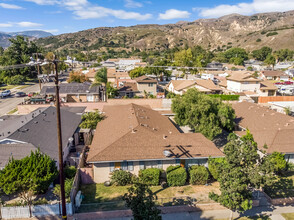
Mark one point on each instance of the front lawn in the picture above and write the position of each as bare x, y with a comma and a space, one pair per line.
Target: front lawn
283, 187
288, 216
99, 197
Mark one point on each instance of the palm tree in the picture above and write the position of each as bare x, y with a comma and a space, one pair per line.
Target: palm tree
101, 79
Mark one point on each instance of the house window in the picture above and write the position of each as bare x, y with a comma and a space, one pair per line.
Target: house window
178, 161
150, 84
142, 165
90, 98
159, 164
111, 165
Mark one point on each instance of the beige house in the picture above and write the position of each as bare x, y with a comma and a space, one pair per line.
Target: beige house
134, 137
147, 85
181, 86
274, 75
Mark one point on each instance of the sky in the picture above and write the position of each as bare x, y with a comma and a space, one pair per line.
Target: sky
64, 16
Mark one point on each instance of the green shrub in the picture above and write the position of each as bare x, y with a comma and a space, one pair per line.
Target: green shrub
121, 177
176, 176
225, 97
214, 166
150, 176
272, 34
198, 175
70, 172
14, 80
258, 40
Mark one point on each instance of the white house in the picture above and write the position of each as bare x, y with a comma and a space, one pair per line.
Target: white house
243, 82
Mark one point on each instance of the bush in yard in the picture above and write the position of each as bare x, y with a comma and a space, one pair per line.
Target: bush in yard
121, 177
215, 165
70, 172
176, 176
198, 175
150, 176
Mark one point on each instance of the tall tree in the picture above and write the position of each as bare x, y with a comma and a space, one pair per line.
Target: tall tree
262, 53
244, 169
270, 60
140, 199
204, 114
19, 52
35, 172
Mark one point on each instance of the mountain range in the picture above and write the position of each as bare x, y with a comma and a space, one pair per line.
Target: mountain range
250, 32
35, 34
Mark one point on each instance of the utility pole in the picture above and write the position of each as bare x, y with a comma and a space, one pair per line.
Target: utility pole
60, 151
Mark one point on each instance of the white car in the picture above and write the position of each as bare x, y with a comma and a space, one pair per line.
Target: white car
5, 93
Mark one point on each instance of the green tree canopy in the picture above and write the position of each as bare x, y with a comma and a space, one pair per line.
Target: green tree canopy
244, 169
19, 52
140, 199
262, 53
101, 77
139, 71
270, 60
35, 172
203, 113
91, 119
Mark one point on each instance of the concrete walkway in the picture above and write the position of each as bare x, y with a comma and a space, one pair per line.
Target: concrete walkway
274, 212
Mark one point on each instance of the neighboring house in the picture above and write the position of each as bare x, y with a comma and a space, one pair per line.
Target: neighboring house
181, 86
108, 64
133, 137
268, 127
141, 64
267, 88
274, 75
234, 67
76, 92
281, 66
24, 133
207, 76
147, 85
91, 74
128, 89
215, 66
290, 73
241, 82
283, 107
128, 64
111, 72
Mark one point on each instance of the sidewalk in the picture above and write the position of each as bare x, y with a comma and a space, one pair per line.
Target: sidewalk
274, 212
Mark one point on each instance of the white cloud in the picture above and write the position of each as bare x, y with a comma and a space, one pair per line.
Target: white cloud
100, 12
9, 6
83, 9
44, 2
256, 6
174, 14
133, 4
28, 24
5, 25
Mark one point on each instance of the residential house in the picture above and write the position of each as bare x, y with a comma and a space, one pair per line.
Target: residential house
228, 66
268, 127
267, 88
215, 66
76, 92
274, 75
133, 137
181, 86
20, 134
146, 85
128, 64
91, 74
108, 64
128, 89
141, 64
242, 81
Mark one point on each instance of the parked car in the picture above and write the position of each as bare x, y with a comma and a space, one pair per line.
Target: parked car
49, 99
31, 94
5, 93
20, 94
288, 83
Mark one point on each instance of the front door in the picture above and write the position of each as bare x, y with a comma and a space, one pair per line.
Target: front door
183, 163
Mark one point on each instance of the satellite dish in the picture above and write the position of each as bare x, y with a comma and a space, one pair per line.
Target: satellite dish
167, 153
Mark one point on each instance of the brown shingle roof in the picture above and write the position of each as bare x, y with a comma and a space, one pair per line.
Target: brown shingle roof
133, 132
273, 73
267, 85
145, 79
129, 87
111, 72
242, 77
184, 84
267, 126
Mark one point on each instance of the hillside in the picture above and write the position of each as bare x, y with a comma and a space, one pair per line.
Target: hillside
251, 32
4, 37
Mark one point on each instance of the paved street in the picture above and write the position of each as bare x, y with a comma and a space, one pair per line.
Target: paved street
9, 103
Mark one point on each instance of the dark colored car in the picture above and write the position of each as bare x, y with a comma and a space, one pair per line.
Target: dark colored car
20, 94
31, 94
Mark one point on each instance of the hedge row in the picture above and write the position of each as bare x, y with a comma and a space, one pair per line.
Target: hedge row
176, 176
225, 97
150, 176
